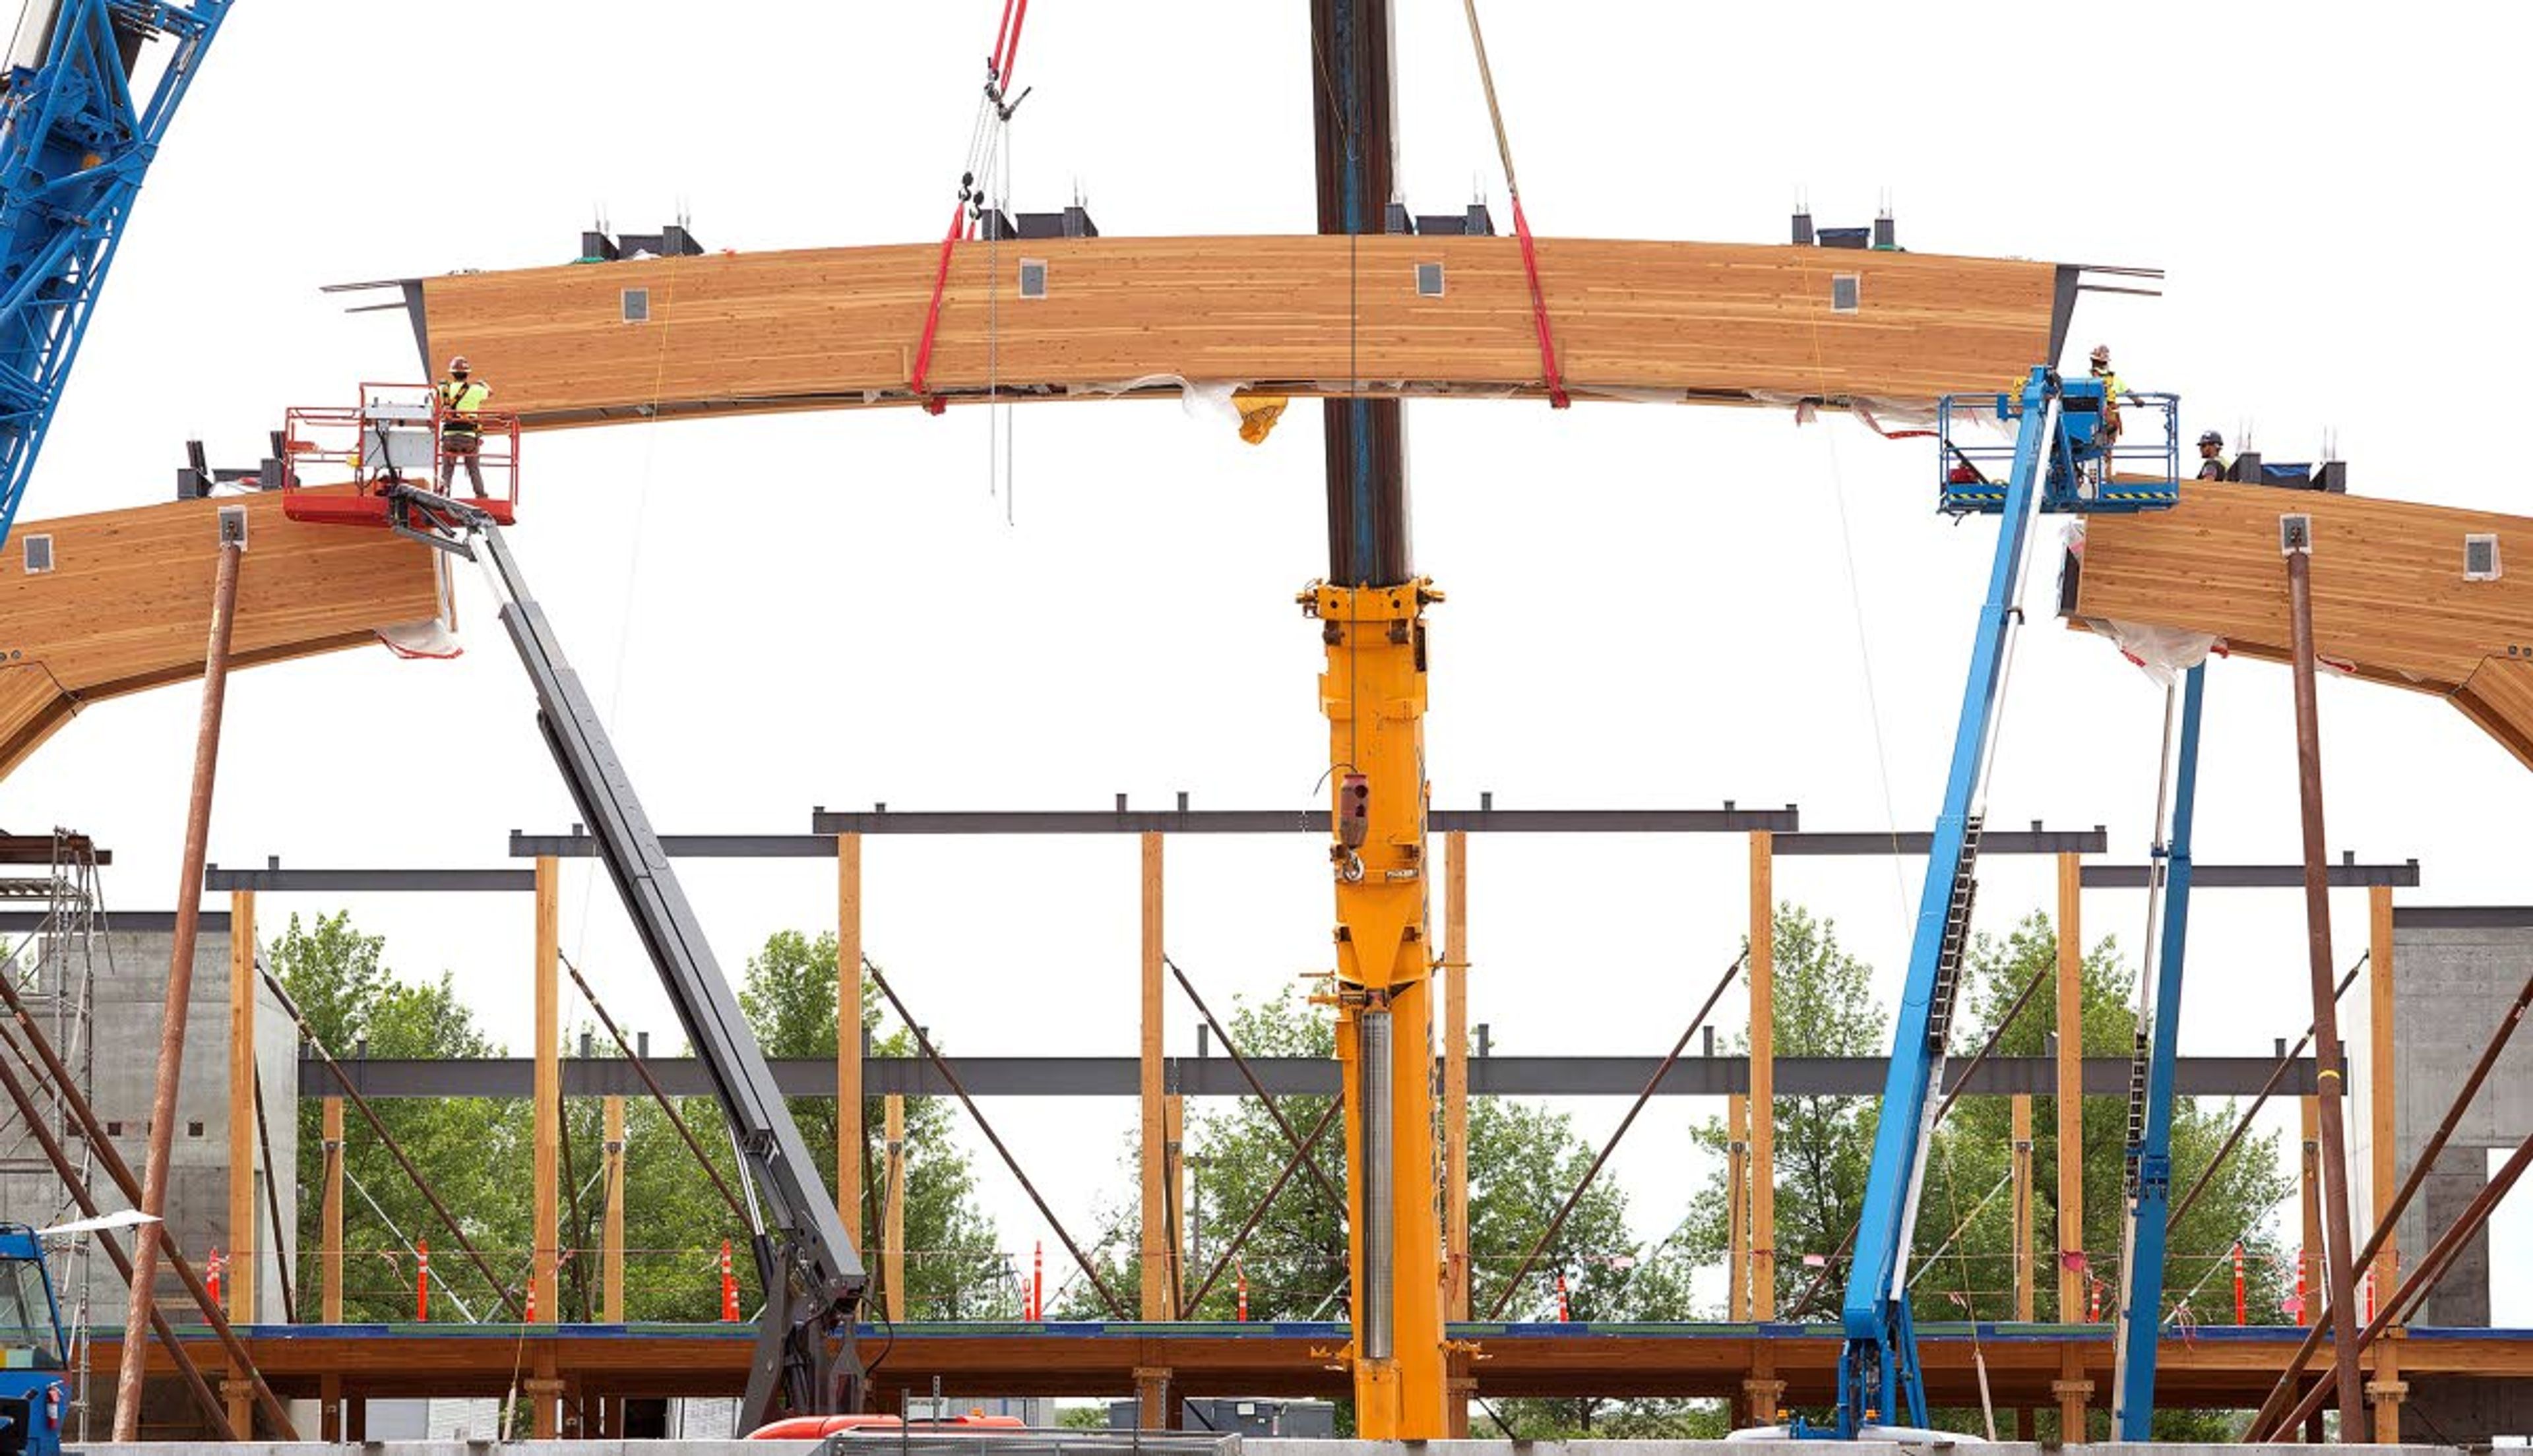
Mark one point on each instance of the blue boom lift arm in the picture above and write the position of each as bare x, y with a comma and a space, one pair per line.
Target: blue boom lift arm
2148, 1184
75, 145
2061, 460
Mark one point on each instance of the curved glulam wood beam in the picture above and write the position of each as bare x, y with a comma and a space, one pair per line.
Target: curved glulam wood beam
2390, 601
835, 328
128, 602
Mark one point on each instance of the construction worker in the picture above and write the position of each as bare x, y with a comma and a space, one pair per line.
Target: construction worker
461, 431
2112, 390
2210, 466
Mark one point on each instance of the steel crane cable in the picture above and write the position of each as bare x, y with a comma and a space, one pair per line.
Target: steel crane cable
996, 103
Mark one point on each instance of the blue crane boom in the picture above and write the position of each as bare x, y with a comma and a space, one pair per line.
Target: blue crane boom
76, 143
2061, 460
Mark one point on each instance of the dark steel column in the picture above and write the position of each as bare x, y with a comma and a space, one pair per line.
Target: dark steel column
2297, 543
1351, 88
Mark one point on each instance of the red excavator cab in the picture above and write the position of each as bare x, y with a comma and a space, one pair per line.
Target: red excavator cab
342, 465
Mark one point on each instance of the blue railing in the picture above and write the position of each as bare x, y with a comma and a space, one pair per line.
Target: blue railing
2141, 470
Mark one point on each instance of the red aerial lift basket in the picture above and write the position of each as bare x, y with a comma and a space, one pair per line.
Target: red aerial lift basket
338, 461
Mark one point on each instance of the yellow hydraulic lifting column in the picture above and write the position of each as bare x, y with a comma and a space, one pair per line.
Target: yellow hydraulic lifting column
1374, 695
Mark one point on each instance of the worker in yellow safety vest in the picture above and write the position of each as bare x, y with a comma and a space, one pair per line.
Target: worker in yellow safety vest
2112, 390
461, 429
2211, 463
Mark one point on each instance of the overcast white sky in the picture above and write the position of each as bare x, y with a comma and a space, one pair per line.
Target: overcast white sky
832, 610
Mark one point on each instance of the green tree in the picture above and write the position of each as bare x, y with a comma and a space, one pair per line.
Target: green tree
473, 1150
1825, 1146
956, 1266
1524, 1160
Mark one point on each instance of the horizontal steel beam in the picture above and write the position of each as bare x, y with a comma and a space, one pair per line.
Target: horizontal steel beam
332, 881
1218, 1076
2033, 841
2463, 916
45, 850
2348, 874
121, 922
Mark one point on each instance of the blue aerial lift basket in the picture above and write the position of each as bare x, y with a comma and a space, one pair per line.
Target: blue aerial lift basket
2088, 471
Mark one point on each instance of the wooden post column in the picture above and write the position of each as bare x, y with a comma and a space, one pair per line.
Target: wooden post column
1459, 1384
2024, 1281
892, 1220
1455, 1074
2071, 1091
330, 1251
1154, 1137
2387, 1388
1174, 1156
547, 1113
2381, 1071
1736, 1203
242, 1220
611, 1287
241, 1240
1763, 1076
2309, 1165
850, 1134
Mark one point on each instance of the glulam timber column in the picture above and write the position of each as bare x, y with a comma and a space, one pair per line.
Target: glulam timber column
611, 1288
542, 1390
849, 1147
2022, 1272
1736, 1201
329, 1266
241, 1240
1374, 695
1153, 1140
2071, 1090
1763, 1082
1460, 1386
892, 1218
2387, 1388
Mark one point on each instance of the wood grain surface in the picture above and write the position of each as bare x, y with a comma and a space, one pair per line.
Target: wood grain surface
2390, 601
839, 328
128, 602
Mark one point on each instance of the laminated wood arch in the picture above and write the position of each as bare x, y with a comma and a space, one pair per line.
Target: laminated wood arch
126, 603
2391, 597
836, 329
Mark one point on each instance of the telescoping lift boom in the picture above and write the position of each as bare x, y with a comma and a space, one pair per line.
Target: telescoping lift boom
805, 1363
2062, 460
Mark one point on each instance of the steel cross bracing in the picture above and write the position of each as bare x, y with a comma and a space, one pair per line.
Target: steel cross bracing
74, 144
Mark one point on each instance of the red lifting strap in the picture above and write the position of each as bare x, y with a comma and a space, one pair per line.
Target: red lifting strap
932, 316
1557, 396
1006, 53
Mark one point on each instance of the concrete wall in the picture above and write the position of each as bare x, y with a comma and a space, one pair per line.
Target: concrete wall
131, 992
2451, 985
